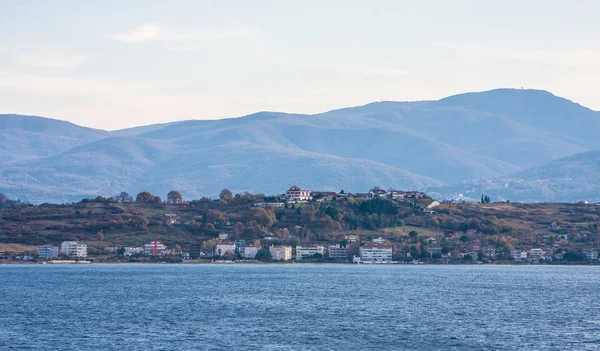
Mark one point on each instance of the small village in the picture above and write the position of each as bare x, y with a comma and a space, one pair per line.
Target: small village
465, 245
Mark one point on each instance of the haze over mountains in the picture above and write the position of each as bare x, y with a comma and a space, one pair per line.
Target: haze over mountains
522, 145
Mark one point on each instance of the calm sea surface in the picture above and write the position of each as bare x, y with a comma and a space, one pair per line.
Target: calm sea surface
298, 307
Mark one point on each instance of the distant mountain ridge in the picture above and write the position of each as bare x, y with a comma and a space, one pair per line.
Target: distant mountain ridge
455, 144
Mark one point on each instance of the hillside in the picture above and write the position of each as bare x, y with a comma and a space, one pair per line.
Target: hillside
499, 134
103, 223
573, 178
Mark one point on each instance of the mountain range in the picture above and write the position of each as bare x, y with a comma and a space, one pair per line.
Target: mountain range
522, 145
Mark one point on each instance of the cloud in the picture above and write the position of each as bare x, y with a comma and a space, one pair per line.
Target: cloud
154, 32
51, 60
566, 57
385, 71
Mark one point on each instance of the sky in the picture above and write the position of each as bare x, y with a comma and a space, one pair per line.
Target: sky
115, 64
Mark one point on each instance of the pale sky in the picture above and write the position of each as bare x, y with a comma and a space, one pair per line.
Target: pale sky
113, 64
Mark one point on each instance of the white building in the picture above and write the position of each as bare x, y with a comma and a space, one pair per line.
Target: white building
74, 249
47, 252
154, 248
295, 194
280, 252
379, 240
249, 252
375, 252
591, 255
306, 252
225, 247
537, 253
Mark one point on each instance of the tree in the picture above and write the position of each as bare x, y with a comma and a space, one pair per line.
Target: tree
263, 254
413, 234
226, 195
464, 238
100, 236
264, 217
145, 197
174, 197
238, 229
124, 197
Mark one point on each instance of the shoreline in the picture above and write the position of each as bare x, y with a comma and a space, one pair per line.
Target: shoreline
87, 263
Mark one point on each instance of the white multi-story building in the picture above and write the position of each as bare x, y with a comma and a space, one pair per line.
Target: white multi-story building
280, 252
249, 252
154, 248
47, 252
74, 249
375, 252
225, 247
304, 252
591, 255
296, 194
537, 253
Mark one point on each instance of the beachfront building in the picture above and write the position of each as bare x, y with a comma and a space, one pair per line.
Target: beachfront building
154, 248
295, 194
74, 249
337, 252
47, 252
225, 248
375, 252
307, 252
280, 252
249, 252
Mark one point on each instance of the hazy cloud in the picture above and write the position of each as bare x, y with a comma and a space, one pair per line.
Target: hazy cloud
565, 57
51, 60
154, 32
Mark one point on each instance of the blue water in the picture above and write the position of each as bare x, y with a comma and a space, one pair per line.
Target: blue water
298, 307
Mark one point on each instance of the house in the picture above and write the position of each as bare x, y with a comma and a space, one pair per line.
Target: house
379, 240
474, 246
396, 194
225, 247
307, 252
489, 252
537, 253
249, 252
223, 236
154, 248
518, 255
295, 194
74, 249
337, 252
351, 238
415, 195
280, 252
375, 252
375, 192
47, 252
270, 204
